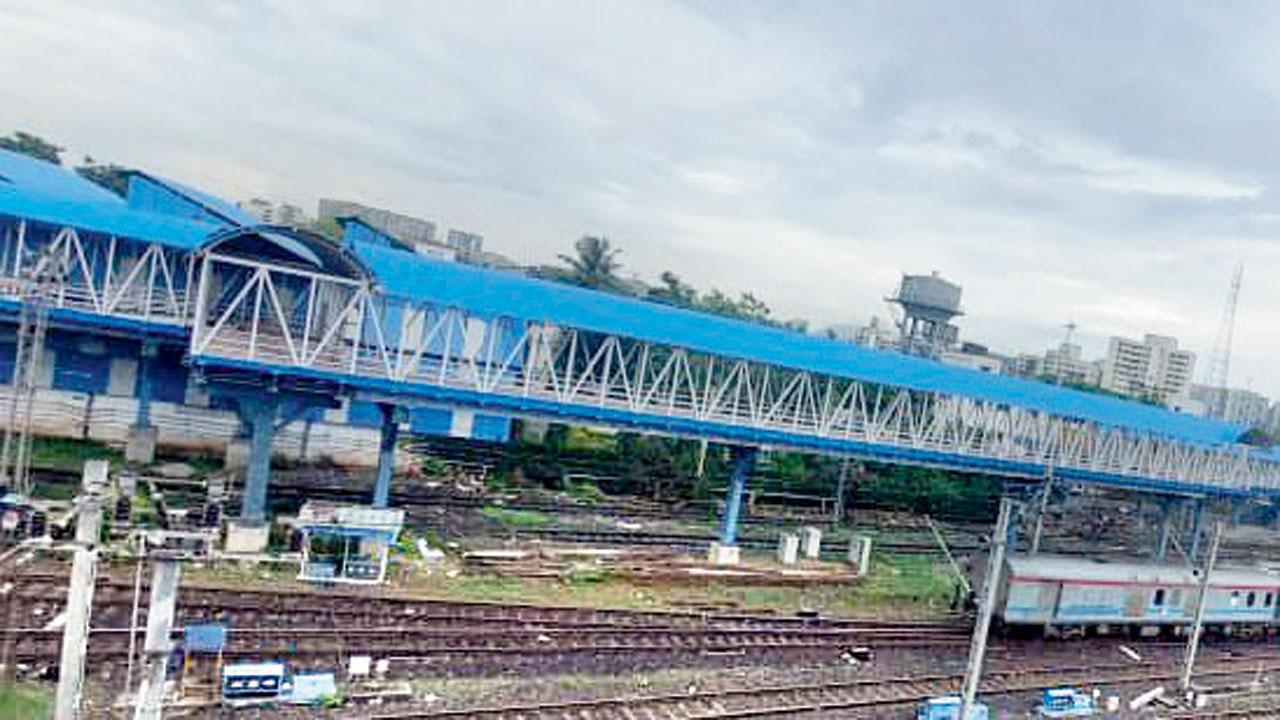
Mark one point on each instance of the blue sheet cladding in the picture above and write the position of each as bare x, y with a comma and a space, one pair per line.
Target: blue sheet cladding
148, 195
493, 428
362, 413
80, 366
430, 420
356, 231
495, 293
168, 374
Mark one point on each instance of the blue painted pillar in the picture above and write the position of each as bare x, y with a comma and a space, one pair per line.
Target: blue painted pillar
259, 413
386, 455
143, 419
741, 461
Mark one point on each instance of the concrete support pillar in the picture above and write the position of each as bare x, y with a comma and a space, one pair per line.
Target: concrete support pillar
1014, 529
788, 548
1041, 508
1239, 509
1166, 531
259, 414
811, 542
1196, 530
725, 551
140, 445
741, 461
386, 455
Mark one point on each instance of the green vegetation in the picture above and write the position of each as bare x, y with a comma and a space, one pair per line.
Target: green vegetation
32, 146
594, 264
587, 575
70, 455
517, 518
592, 466
25, 702
906, 581
897, 586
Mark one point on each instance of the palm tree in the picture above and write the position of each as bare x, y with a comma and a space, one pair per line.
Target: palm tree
596, 264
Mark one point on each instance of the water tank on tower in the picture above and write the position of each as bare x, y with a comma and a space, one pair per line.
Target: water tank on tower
929, 304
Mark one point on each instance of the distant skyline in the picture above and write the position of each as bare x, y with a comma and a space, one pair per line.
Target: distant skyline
1101, 163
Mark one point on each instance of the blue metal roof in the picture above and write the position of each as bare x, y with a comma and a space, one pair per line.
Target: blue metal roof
44, 192
199, 204
41, 191
496, 293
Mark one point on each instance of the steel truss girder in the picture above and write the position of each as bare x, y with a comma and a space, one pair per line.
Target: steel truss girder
98, 273
364, 333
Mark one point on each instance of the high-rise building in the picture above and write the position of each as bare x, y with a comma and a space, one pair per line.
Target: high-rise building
1065, 366
408, 229
1152, 368
466, 243
1237, 405
274, 213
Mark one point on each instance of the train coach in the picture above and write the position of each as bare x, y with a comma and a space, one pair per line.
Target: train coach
1060, 593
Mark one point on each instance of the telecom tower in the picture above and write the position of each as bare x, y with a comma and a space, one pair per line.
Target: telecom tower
1217, 375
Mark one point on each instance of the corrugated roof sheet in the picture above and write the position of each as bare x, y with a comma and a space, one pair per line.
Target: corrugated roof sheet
498, 293
41, 191
44, 192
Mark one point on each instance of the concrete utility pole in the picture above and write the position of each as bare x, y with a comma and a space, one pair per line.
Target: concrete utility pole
990, 588
75, 634
1197, 627
158, 645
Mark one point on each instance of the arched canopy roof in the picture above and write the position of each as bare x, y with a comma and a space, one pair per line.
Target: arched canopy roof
288, 246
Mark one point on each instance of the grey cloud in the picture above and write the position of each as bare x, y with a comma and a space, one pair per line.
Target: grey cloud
1092, 161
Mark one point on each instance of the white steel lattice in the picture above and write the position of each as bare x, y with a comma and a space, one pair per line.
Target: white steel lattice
248, 311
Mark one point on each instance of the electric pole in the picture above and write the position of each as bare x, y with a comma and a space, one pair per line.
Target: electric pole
986, 607
75, 634
1197, 627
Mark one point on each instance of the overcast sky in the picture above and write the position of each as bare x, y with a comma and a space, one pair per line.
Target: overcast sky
1106, 163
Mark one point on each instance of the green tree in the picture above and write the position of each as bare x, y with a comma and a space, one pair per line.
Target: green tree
33, 146
674, 291
109, 175
594, 264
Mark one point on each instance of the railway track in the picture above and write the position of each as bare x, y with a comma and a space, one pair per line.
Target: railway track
38, 644
853, 698
339, 608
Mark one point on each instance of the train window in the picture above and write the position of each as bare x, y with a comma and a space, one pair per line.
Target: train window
1158, 600
1235, 598
1266, 600
1251, 599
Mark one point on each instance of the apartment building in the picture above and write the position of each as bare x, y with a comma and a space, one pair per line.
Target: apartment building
1152, 368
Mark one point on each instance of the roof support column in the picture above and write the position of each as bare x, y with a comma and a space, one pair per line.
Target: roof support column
391, 417
259, 415
741, 461
140, 445
1166, 530
1041, 508
1197, 529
